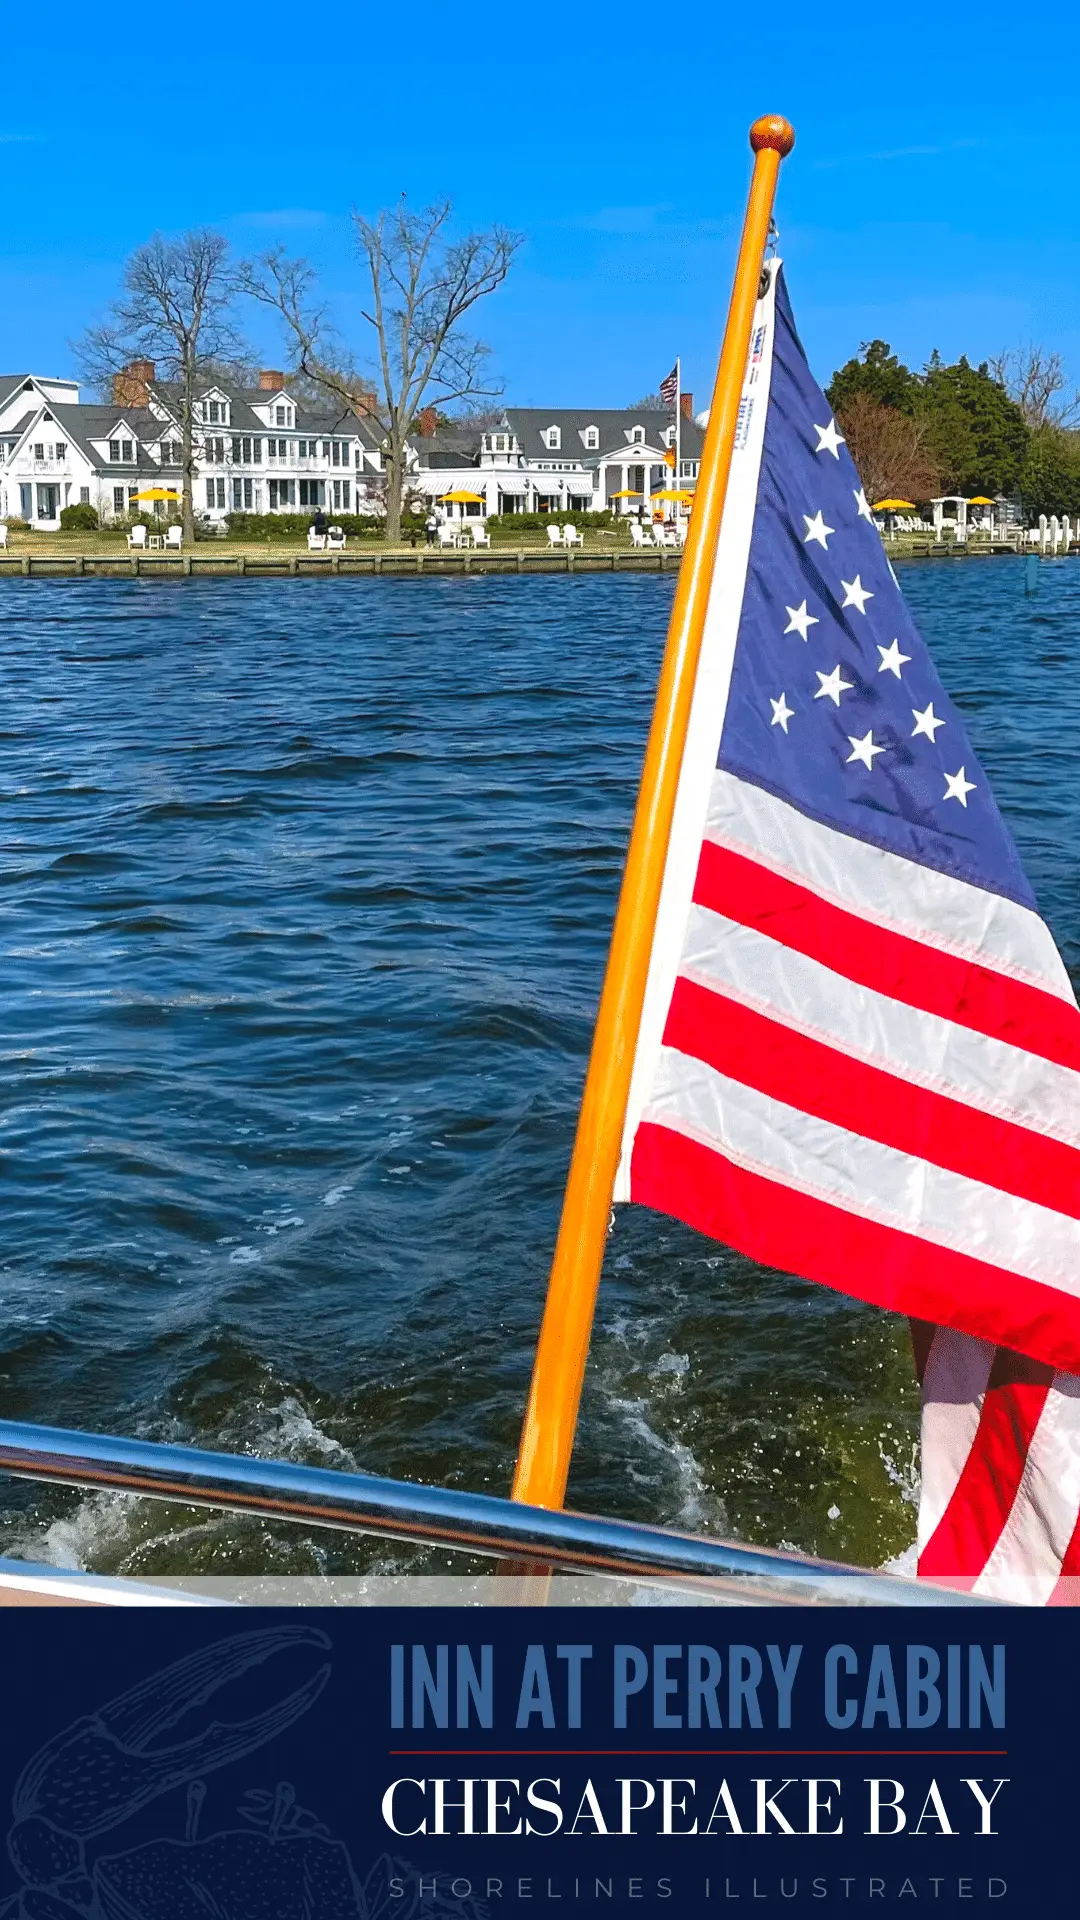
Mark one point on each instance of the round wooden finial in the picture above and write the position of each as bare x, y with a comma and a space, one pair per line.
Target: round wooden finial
772, 130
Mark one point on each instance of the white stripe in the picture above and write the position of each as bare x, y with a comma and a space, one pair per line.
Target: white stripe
957, 1372
921, 1047
863, 1177
1025, 1564
706, 716
884, 887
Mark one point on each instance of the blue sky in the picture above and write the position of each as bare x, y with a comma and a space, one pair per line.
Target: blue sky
931, 197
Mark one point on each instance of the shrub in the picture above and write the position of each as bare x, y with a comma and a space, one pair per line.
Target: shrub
536, 522
82, 518
294, 526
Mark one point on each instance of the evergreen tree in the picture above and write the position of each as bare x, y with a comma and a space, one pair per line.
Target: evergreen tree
878, 375
979, 435
1050, 482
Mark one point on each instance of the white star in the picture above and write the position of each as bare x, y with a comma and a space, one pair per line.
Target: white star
855, 594
892, 659
863, 505
799, 621
927, 723
957, 788
829, 441
781, 712
863, 750
832, 686
817, 530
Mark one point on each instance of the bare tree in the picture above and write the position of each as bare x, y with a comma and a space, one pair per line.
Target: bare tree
177, 310
891, 450
1034, 377
421, 285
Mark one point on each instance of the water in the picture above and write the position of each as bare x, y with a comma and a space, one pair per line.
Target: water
306, 894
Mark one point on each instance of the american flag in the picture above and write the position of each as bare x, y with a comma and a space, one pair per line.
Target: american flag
669, 388
859, 1059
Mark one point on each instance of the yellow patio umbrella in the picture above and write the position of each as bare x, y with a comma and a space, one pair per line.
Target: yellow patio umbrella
463, 494
678, 494
894, 506
157, 493
625, 493
980, 500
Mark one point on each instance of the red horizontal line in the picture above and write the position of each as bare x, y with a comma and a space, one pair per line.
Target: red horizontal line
891, 963
798, 1233
816, 1078
696, 1753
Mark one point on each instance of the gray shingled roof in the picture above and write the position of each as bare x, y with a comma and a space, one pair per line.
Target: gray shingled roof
460, 446
612, 423
82, 424
244, 419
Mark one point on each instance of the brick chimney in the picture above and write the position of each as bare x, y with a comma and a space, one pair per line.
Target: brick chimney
426, 422
686, 401
271, 379
131, 386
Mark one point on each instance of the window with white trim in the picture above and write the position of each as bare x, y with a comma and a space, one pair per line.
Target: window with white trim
552, 439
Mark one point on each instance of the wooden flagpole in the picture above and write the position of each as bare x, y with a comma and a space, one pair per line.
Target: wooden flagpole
547, 1437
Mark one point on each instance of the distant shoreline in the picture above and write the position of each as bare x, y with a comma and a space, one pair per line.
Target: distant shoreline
260, 563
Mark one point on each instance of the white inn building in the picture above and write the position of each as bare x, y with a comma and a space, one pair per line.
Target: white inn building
539, 460
263, 450
258, 450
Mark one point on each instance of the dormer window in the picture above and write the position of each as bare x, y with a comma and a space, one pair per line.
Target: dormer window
284, 417
668, 436
591, 439
637, 436
552, 439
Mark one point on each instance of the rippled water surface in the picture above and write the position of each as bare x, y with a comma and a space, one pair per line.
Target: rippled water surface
306, 894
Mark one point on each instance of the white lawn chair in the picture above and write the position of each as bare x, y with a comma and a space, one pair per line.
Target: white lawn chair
554, 534
640, 536
137, 537
3, 533
316, 542
571, 535
174, 539
335, 540
682, 528
481, 537
448, 534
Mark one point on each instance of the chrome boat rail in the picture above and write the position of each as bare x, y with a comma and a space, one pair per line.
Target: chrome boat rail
474, 1523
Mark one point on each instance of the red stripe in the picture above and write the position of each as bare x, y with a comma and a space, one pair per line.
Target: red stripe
819, 1241
889, 963
816, 1079
989, 1482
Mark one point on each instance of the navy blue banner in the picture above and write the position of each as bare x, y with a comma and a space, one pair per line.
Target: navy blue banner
403, 1764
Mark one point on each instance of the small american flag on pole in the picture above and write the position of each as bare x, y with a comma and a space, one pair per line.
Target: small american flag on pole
859, 1058
669, 388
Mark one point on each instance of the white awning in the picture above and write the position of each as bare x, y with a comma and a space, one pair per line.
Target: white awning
449, 480
516, 485
562, 482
